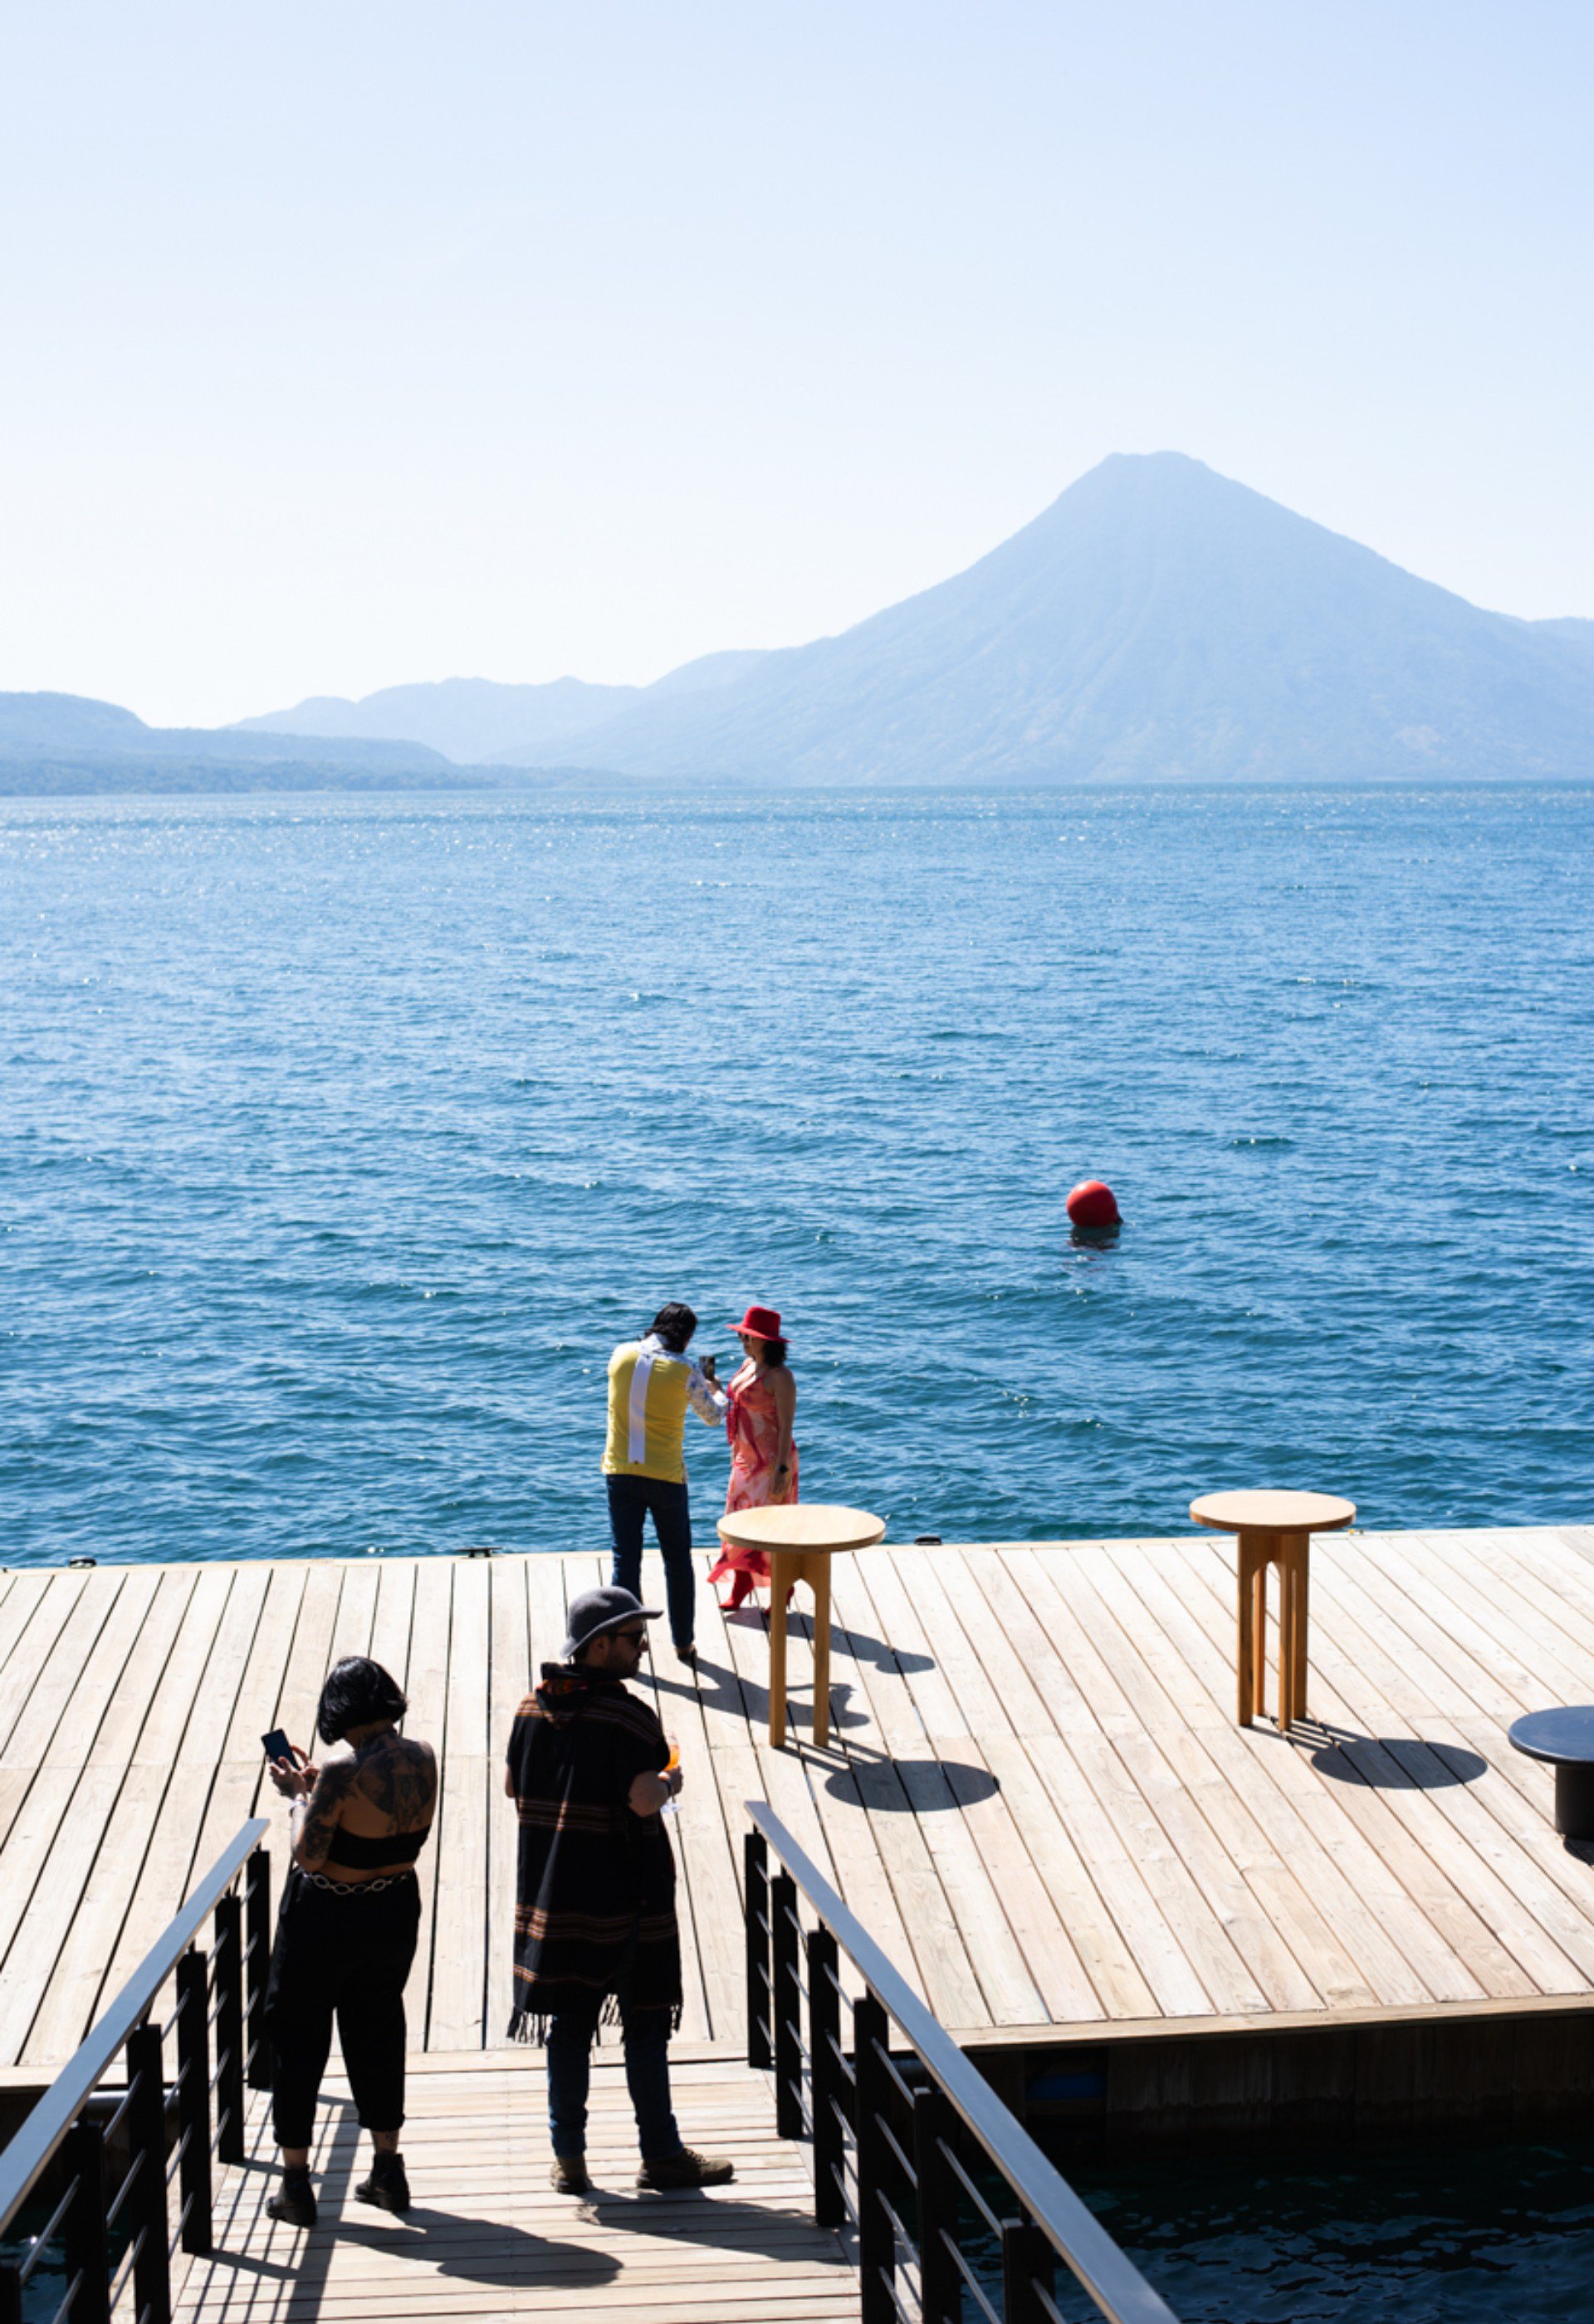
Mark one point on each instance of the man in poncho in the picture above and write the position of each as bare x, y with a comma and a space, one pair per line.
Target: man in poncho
595, 1934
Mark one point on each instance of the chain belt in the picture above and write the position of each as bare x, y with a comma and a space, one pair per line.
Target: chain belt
353, 1887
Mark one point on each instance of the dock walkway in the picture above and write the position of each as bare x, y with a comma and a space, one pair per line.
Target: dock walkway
489, 2238
1035, 1797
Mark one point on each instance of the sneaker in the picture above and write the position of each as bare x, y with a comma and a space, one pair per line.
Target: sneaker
387, 2187
568, 2175
685, 2169
295, 2206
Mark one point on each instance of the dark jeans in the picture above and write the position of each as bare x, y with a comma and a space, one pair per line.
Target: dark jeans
631, 1500
346, 1956
647, 2076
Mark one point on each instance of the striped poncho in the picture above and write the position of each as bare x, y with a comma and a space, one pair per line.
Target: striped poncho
595, 1899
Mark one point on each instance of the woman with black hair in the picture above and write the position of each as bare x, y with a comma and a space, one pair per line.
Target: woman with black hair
347, 1931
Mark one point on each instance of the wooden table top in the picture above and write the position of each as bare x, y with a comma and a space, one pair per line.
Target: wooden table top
1266, 1511
802, 1524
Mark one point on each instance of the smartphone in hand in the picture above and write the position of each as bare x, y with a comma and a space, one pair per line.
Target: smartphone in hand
277, 1746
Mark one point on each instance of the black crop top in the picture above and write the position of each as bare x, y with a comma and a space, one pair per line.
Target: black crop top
357, 1851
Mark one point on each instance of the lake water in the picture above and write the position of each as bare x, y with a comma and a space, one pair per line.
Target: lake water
1487, 2233
343, 1138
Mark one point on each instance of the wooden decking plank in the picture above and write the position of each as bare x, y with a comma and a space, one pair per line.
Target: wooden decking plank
889, 1727
1352, 1818
459, 1972
493, 2241
1292, 1955
510, 1675
1459, 1837
707, 1845
1004, 1974
950, 1596
168, 1809
56, 1617
100, 1909
23, 1597
1365, 1905
1547, 1575
241, 1787
391, 1622
51, 1914
1219, 1965
1524, 1855
431, 1646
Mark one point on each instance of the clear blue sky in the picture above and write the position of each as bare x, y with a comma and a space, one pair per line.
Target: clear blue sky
361, 341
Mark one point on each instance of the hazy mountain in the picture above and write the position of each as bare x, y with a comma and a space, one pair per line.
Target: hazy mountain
1156, 623
1570, 629
475, 721
69, 743
468, 719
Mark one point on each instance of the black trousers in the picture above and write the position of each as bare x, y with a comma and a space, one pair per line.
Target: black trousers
345, 1956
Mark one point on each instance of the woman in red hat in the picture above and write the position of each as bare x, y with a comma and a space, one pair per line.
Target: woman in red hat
763, 1458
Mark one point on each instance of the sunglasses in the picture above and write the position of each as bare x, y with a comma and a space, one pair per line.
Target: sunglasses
632, 1637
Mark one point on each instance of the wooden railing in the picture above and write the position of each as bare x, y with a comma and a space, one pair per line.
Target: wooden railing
911, 2144
107, 2236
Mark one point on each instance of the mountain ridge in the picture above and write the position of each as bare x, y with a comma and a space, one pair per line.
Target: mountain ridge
1156, 622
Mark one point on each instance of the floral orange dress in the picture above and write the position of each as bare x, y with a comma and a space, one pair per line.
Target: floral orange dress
753, 1427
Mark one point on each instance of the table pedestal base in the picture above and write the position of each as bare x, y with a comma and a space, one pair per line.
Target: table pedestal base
1290, 1553
786, 1566
1574, 1801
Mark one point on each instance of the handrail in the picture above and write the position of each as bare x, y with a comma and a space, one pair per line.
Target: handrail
31, 2150
1073, 2230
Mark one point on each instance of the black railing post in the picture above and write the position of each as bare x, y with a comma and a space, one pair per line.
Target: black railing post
146, 2137
941, 2288
877, 2238
787, 2001
826, 2082
193, 2099
1026, 2255
11, 2293
756, 1861
229, 2029
84, 2240
257, 1932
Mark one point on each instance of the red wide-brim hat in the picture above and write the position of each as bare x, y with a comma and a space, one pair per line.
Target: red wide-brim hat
761, 1323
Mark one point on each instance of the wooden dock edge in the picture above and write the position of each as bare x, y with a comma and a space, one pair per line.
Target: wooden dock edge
1340, 2077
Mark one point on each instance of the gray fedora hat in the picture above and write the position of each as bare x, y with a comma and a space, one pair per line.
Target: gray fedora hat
600, 1610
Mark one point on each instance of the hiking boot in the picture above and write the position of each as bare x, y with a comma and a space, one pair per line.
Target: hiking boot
568, 2175
685, 2169
295, 2206
387, 2187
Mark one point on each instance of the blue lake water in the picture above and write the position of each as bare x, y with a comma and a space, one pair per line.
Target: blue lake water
1496, 2234
342, 1138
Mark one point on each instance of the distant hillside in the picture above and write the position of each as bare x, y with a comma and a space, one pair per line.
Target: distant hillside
42, 777
1157, 623
477, 722
469, 720
57, 742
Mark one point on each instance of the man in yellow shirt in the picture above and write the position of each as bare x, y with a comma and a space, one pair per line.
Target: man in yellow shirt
651, 1382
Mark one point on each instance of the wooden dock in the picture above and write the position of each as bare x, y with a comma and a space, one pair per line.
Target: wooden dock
1036, 1797
489, 2238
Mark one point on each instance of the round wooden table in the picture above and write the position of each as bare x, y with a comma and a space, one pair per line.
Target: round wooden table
1273, 1529
799, 1539
1564, 1738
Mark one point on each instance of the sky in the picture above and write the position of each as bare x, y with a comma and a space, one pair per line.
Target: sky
348, 344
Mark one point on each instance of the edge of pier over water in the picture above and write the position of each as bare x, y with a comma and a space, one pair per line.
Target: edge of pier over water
1035, 1794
